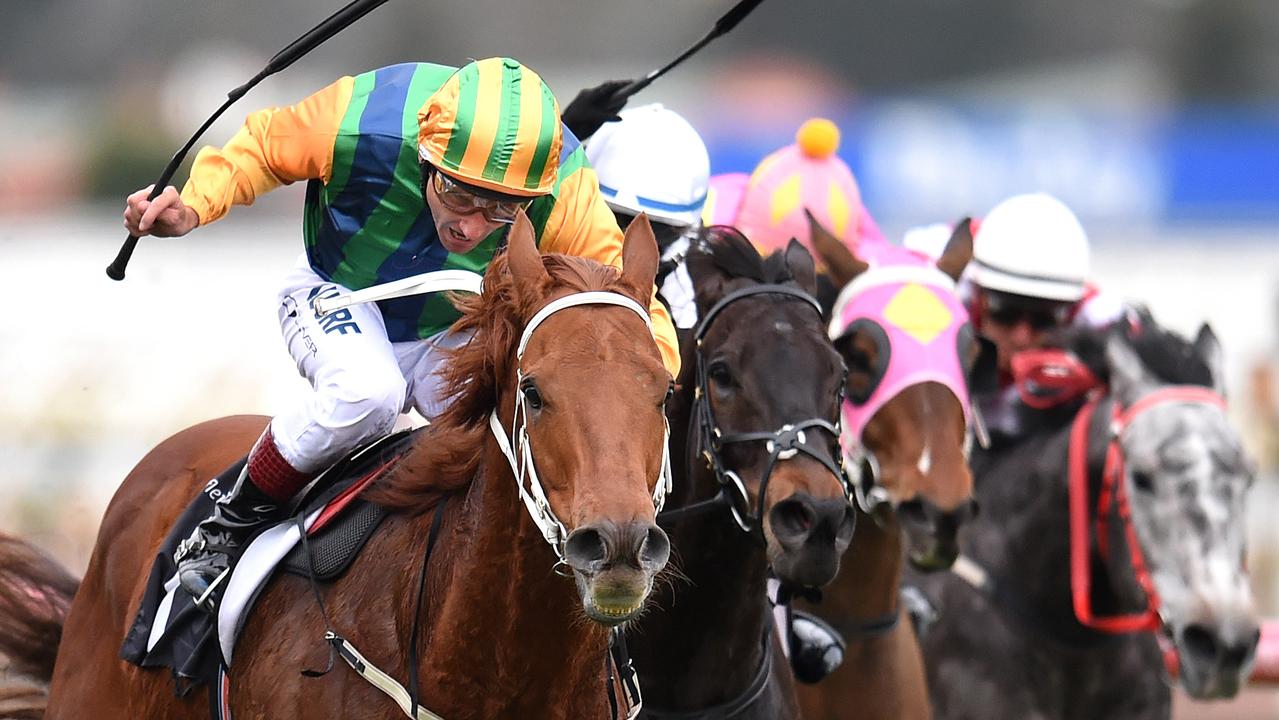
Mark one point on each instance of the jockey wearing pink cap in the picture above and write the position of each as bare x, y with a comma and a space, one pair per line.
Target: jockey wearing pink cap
768, 205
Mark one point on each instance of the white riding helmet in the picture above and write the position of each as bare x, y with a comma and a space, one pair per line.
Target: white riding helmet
1031, 245
652, 161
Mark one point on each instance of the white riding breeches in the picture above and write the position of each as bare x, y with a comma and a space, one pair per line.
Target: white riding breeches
360, 380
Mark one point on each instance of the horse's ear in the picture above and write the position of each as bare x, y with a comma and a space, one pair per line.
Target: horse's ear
1129, 379
709, 282
1208, 348
639, 257
523, 258
842, 265
959, 250
800, 264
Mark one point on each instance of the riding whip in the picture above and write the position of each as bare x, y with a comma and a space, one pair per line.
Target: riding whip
722, 26
334, 24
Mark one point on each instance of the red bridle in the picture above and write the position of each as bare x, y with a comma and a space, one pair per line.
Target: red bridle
1112, 490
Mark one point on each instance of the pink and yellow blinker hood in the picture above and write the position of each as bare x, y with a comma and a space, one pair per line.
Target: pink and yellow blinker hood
912, 311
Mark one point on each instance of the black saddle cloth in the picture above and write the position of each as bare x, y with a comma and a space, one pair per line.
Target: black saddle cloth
188, 643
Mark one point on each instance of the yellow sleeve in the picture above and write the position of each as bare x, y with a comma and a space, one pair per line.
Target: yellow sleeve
275, 147
581, 224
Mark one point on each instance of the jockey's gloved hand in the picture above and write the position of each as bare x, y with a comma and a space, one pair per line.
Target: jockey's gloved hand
593, 107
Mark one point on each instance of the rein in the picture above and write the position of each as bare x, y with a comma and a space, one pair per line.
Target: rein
781, 444
1113, 493
737, 705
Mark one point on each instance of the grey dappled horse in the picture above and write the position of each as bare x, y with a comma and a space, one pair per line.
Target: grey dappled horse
1013, 647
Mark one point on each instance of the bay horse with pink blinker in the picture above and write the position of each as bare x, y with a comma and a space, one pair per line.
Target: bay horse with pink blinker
501, 634
911, 352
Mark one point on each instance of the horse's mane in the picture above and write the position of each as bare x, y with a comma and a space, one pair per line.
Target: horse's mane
445, 456
728, 250
1165, 354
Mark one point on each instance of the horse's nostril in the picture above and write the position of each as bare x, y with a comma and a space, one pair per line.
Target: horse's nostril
585, 549
655, 549
793, 517
1200, 642
912, 511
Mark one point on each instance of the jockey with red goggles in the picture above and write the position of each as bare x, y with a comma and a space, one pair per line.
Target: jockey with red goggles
409, 168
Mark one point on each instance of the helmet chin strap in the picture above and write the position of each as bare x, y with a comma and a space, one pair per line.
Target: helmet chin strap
518, 448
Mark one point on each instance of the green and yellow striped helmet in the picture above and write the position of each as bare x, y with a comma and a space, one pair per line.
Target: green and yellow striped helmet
496, 125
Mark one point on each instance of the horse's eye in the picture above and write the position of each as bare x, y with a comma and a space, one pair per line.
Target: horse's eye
531, 396
670, 393
720, 374
1143, 482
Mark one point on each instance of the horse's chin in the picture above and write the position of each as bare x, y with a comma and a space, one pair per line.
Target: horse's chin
1209, 683
930, 552
932, 559
613, 597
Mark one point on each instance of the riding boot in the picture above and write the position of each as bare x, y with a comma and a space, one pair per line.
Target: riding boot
204, 559
267, 483
816, 648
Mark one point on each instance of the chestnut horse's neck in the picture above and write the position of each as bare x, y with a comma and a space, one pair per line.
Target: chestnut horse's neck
492, 578
882, 674
702, 645
875, 558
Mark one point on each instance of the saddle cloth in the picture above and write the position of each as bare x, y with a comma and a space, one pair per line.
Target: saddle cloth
169, 631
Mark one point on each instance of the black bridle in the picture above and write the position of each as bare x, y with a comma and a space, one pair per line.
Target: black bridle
781, 444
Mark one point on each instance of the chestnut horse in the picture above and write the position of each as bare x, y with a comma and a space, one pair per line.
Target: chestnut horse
909, 460
760, 487
582, 401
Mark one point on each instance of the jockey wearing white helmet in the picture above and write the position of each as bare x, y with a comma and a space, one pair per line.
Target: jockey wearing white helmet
652, 161
1029, 277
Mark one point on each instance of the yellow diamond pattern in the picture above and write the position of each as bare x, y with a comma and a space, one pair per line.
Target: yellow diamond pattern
916, 311
785, 199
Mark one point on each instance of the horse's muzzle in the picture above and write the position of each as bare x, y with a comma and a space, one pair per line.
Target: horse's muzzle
1215, 660
933, 534
614, 565
812, 534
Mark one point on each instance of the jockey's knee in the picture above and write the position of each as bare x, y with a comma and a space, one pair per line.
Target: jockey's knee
365, 407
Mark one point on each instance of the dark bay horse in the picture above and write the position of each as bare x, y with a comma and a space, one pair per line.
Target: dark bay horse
502, 635
758, 484
909, 348
1023, 638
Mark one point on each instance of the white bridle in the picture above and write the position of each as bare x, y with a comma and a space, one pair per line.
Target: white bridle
518, 449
